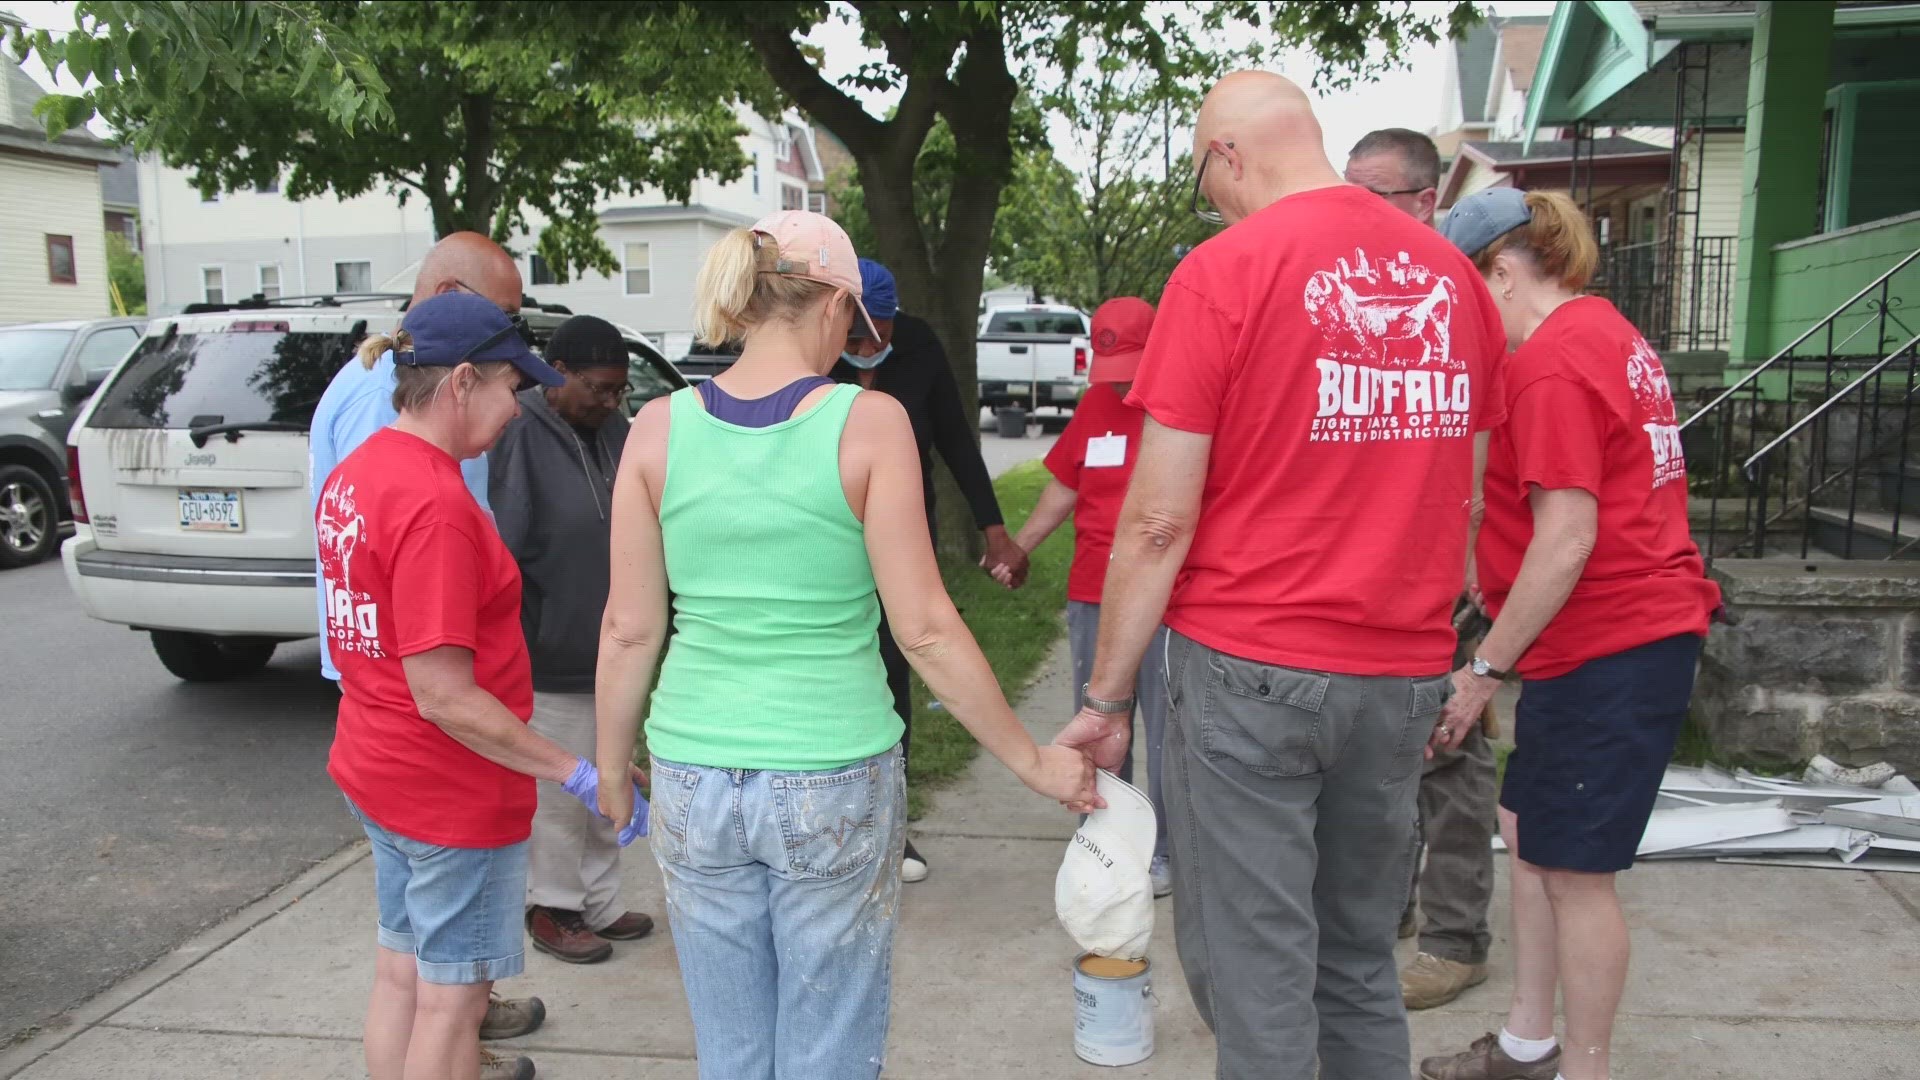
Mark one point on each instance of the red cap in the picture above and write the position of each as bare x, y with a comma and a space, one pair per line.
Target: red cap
1120, 328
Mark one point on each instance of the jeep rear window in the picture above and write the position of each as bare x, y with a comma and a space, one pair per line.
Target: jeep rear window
249, 375
1036, 322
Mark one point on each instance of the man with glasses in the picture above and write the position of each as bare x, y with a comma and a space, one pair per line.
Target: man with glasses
1400, 166
551, 479
359, 402
1297, 519
1458, 788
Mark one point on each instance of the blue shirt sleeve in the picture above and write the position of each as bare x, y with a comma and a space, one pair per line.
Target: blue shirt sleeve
356, 404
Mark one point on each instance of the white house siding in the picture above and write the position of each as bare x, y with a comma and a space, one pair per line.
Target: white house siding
41, 197
1719, 183
676, 248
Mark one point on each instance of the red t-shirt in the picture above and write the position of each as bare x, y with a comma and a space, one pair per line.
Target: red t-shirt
1099, 486
1589, 407
409, 563
1341, 355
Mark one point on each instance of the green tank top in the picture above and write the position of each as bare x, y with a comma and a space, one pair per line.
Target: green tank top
774, 662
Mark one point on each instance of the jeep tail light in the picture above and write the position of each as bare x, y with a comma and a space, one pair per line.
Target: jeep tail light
76, 494
1080, 360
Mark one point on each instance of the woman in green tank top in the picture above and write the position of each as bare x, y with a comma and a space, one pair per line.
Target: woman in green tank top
777, 512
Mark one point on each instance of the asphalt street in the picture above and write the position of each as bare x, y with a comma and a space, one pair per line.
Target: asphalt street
136, 809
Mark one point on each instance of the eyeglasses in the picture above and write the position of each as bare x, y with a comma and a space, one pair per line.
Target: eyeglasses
1211, 217
1402, 191
607, 392
515, 320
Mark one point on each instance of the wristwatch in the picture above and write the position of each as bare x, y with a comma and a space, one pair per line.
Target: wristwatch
1485, 670
1101, 705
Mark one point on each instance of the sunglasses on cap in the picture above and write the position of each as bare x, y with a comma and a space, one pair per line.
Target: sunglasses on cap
516, 324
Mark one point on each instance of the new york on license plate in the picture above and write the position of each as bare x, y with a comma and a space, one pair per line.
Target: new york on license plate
211, 511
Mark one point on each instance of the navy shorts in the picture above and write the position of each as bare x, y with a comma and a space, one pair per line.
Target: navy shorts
1590, 748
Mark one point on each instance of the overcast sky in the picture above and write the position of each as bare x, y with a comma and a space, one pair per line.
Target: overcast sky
1409, 97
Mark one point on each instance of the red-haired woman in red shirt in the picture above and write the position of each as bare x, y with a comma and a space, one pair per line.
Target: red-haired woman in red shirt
1599, 602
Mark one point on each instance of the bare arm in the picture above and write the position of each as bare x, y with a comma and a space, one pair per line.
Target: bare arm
1477, 510
441, 681
878, 451
1565, 523
1053, 509
635, 624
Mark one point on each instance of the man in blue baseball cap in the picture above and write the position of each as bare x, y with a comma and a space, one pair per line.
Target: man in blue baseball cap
907, 361
358, 403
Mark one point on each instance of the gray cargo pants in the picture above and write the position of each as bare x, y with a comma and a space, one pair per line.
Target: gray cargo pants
1288, 797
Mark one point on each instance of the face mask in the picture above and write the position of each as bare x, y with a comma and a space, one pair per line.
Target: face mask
868, 363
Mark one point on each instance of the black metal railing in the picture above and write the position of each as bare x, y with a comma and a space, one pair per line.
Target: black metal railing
1824, 399
1679, 301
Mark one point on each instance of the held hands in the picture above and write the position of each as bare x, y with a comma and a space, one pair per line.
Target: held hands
1005, 560
616, 802
1103, 737
1470, 696
1064, 775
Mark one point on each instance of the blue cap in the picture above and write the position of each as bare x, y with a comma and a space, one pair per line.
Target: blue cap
461, 327
1485, 216
877, 291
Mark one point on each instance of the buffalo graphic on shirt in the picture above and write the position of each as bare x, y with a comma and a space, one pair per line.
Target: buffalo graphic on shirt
353, 619
1386, 368
1653, 402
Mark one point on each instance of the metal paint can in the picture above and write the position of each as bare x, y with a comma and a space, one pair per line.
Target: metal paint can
1113, 1010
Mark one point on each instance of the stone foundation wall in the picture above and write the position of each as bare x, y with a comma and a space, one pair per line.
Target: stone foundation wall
1825, 659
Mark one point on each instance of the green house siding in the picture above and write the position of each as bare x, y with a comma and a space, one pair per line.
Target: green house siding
1812, 277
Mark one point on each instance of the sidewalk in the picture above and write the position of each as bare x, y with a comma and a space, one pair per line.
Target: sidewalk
1742, 973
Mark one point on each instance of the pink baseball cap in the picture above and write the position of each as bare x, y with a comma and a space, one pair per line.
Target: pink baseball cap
812, 246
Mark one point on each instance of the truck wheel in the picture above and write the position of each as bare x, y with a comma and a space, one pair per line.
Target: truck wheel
29, 529
205, 658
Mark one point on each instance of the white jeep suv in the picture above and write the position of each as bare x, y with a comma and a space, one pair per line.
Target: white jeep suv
189, 481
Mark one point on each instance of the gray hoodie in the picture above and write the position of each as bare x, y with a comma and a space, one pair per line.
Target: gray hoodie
552, 496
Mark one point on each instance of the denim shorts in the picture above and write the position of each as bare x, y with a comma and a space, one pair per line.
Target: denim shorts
459, 911
1590, 748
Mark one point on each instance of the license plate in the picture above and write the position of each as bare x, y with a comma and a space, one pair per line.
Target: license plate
1019, 388
211, 511
1065, 392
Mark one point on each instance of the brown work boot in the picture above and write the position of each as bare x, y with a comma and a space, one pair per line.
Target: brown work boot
1486, 1061
499, 1067
1432, 980
510, 1018
564, 936
632, 926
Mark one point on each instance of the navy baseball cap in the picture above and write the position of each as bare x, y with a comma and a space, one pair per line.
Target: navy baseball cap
1485, 216
454, 328
877, 290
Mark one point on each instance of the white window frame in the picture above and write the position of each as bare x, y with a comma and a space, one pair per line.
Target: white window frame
627, 268
204, 298
260, 280
338, 263
817, 202
756, 172
786, 187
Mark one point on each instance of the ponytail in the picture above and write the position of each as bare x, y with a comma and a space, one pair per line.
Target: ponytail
377, 345
1559, 240
739, 288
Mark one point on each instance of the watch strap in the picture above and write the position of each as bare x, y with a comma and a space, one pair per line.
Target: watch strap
1102, 705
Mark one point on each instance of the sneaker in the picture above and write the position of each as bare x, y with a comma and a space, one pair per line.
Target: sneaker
1161, 870
1431, 980
1409, 925
1486, 1061
510, 1018
913, 868
632, 926
499, 1067
563, 935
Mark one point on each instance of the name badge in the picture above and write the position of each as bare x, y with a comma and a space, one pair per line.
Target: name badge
1108, 452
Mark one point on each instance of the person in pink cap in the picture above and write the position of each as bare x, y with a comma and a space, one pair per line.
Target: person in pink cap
779, 509
1091, 464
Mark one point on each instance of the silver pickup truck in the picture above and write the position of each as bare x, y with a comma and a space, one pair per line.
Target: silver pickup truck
1032, 355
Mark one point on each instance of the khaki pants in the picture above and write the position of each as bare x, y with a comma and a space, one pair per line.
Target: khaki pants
574, 860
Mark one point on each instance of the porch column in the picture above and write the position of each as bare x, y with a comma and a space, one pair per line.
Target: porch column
1786, 99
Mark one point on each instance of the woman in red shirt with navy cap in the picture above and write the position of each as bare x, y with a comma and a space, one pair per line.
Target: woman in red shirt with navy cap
432, 748
1599, 602
1091, 464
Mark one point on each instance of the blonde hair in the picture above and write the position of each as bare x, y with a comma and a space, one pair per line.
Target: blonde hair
1558, 240
377, 345
739, 288
416, 385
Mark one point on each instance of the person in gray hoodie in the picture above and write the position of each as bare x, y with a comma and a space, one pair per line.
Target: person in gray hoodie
551, 486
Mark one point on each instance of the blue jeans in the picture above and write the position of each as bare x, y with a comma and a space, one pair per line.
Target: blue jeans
459, 911
782, 893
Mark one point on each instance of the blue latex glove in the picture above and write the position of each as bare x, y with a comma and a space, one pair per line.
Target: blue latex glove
584, 785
